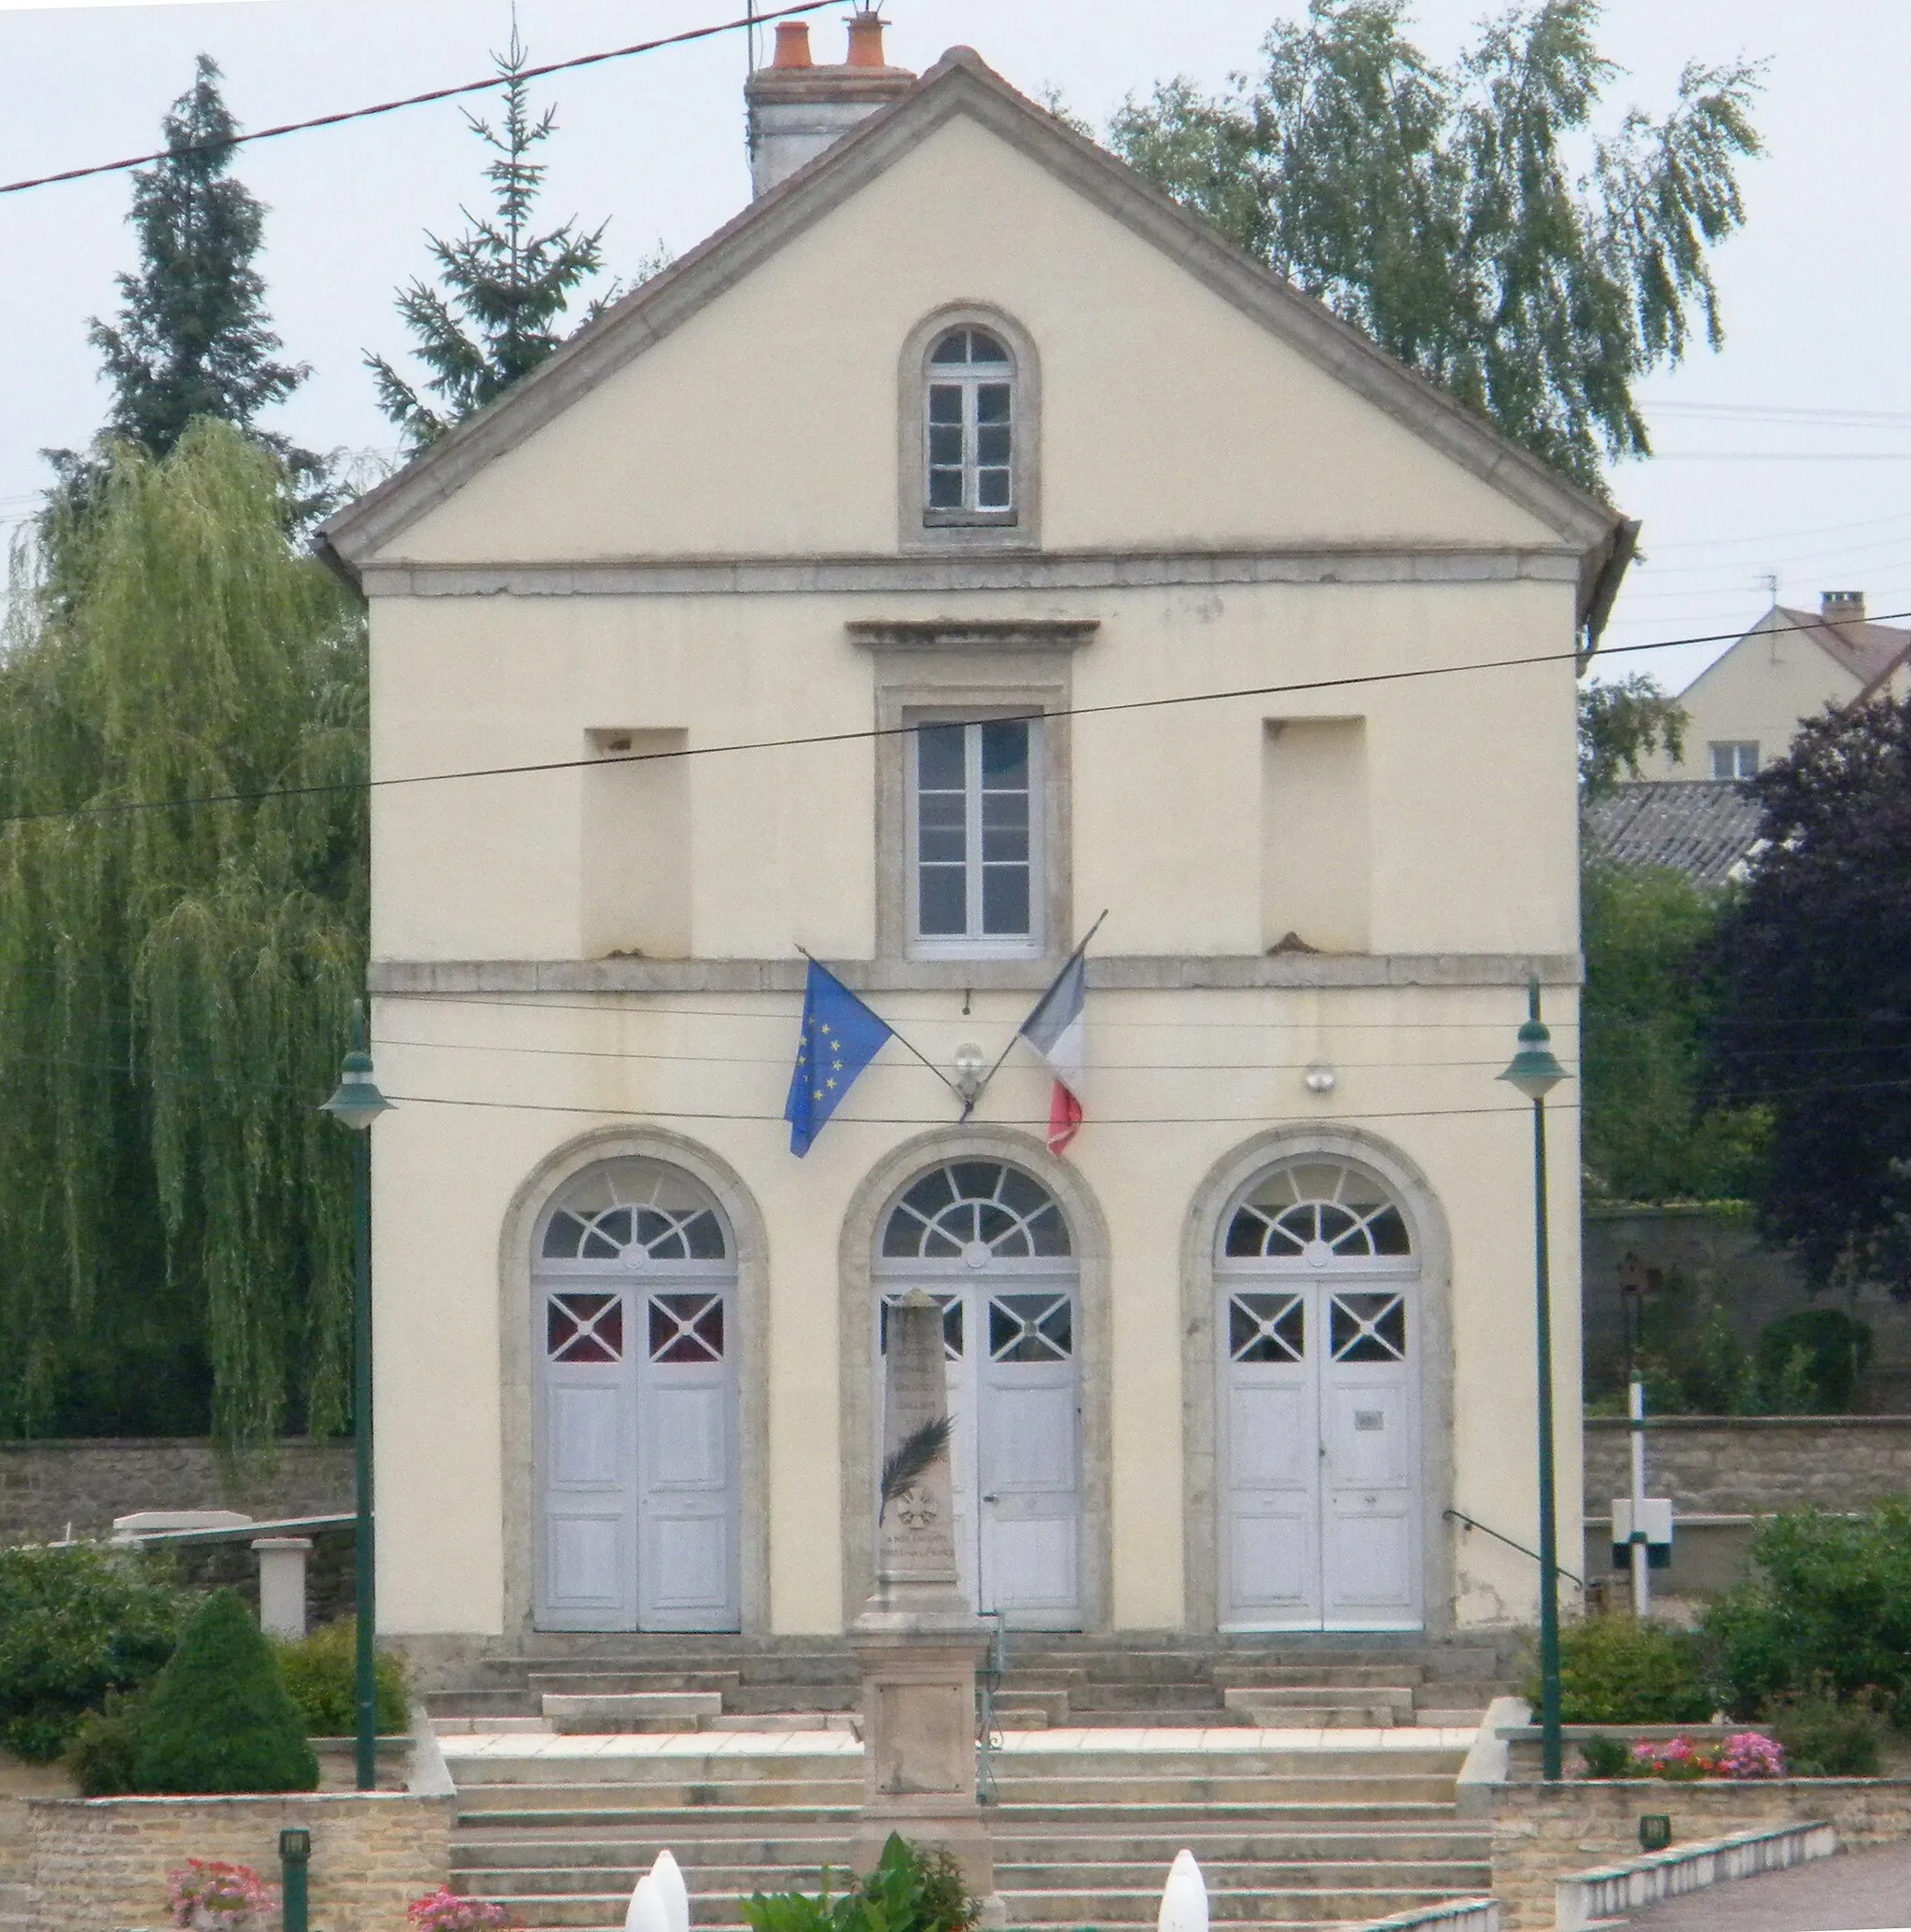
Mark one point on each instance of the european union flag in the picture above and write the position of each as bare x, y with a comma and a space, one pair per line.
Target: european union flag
839, 1037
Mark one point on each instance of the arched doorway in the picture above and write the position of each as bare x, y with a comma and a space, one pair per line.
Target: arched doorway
633, 1310
1318, 1430
991, 1245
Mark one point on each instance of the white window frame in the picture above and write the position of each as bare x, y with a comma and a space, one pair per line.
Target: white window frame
969, 378
1734, 751
973, 943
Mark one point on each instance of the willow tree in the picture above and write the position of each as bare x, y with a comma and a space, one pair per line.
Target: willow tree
182, 928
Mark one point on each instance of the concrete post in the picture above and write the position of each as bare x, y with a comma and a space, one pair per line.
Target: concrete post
282, 1584
917, 1638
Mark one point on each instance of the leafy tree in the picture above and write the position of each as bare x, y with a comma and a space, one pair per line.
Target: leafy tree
505, 289
1439, 210
1646, 932
77, 1623
1622, 722
174, 984
219, 1717
1814, 962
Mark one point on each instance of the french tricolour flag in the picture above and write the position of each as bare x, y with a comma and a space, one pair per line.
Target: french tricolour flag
1056, 1032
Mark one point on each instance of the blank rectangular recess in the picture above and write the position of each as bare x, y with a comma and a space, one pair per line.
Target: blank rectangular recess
636, 837
1315, 867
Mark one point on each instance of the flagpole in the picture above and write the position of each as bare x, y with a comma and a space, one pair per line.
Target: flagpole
968, 1105
893, 1033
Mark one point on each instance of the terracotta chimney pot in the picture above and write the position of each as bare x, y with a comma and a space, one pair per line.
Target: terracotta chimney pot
866, 39
793, 44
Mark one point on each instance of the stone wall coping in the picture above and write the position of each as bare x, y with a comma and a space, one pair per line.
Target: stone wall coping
330, 1801
1488, 1758
1605, 1893
1531, 1734
1654, 1424
1453, 1914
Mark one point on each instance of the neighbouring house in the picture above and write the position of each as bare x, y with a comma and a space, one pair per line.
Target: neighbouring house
1743, 708
1704, 827
960, 543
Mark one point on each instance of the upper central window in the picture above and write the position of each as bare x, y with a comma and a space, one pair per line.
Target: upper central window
972, 808
969, 438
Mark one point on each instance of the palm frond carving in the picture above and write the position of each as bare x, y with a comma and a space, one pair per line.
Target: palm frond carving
912, 1455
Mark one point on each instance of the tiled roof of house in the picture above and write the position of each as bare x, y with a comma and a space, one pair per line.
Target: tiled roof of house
1701, 826
1867, 651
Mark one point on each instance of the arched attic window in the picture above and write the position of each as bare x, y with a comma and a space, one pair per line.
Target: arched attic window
970, 426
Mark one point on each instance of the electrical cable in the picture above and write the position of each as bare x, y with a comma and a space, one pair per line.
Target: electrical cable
866, 735
440, 93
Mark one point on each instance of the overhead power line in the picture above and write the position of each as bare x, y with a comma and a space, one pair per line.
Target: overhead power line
439, 94
864, 734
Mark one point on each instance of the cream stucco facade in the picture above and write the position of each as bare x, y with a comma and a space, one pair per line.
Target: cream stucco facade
684, 576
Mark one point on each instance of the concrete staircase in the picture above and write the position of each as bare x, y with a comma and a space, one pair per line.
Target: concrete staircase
1300, 1683
1290, 1834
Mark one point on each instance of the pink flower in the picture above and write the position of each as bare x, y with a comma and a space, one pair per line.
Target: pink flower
213, 1895
1747, 1755
444, 1911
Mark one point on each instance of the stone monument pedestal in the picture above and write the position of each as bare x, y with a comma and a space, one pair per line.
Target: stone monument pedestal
918, 1639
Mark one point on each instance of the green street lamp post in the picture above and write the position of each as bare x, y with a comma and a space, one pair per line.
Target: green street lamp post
1534, 1071
356, 1103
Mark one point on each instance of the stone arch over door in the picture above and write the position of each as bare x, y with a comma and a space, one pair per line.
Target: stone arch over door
870, 1212
520, 1346
1423, 1231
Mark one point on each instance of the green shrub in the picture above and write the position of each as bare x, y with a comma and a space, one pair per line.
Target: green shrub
219, 1717
1826, 1739
913, 1889
1810, 1363
77, 1620
1607, 1756
1826, 1610
321, 1673
1618, 1669
100, 1752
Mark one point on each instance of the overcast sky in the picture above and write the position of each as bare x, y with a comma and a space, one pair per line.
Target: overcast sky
1787, 455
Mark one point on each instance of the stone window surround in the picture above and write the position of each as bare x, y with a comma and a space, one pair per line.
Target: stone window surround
517, 1323
948, 668
863, 1221
914, 530
1212, 1200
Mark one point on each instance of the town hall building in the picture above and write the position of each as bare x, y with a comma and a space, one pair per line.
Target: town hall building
961, 547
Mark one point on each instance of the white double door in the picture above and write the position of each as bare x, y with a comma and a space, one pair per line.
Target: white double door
1320, 1442
638, 1495
1010, 1345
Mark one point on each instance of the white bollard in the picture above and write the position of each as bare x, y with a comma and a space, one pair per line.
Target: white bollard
1184, 1898
647, 1912
671, 1890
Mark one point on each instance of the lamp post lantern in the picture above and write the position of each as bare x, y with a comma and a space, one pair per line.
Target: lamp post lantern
1535, 1072
356, 1103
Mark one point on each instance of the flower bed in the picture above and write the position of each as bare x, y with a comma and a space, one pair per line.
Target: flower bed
1743, 1755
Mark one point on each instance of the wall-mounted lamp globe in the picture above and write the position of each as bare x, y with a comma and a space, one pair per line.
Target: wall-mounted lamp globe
1319, 1079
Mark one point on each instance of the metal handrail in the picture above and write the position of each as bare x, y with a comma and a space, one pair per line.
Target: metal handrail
988, 1733
1466, 1522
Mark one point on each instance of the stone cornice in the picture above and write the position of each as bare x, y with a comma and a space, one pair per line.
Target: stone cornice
958, 634
987, 571
1141, 973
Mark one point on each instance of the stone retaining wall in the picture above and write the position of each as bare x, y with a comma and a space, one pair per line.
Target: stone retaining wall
46, 1486
1543, 1832
1753, 1464
102, 1862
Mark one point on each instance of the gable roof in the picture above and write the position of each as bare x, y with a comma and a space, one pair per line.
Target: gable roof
961, 83
1869, 652
1704, 827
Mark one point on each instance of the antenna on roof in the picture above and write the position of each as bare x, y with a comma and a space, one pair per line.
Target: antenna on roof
1769, 578
749, 15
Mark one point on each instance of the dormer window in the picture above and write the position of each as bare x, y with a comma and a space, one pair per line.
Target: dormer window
970, 431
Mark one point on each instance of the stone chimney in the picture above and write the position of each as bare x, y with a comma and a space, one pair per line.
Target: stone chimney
797, 108
1844, 608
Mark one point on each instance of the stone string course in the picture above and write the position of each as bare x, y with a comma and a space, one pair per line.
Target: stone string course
102, 1862
1542, 1834
1749, 1465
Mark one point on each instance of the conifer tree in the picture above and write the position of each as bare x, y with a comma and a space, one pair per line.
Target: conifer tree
505, 289
194, 338
219, 1717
